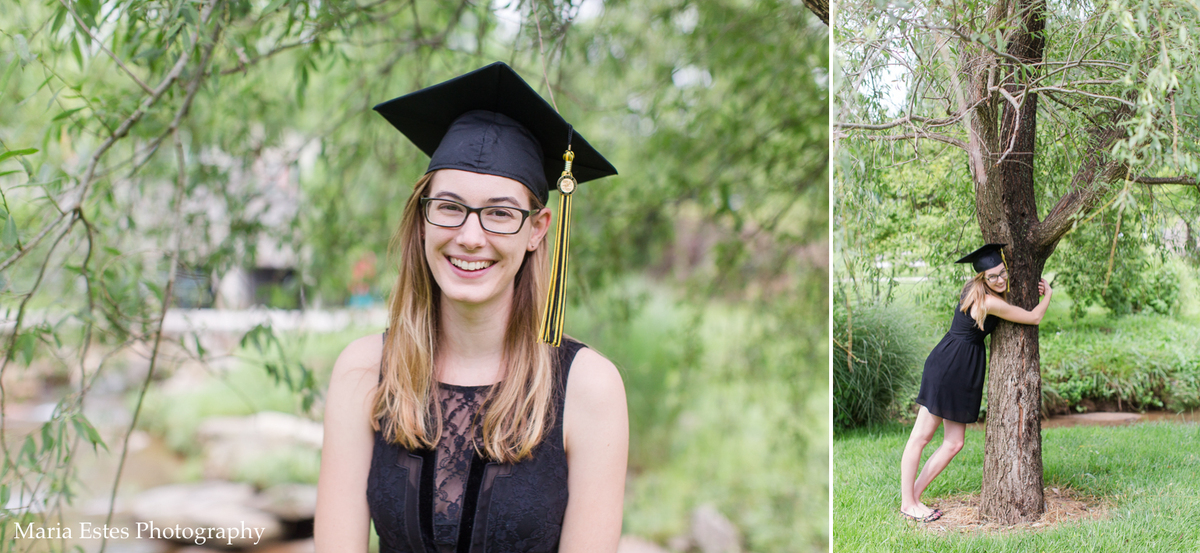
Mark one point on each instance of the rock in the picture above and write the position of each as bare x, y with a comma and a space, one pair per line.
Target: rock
634, 544
289, 502
164, 511
295, 546
233, 442
679, 544
269, 426
134, 545
713, 533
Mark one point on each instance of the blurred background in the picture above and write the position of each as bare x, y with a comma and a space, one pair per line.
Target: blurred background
197, 204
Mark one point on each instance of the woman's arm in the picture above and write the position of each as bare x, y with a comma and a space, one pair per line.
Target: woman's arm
596, 438
342, 520
1009, 312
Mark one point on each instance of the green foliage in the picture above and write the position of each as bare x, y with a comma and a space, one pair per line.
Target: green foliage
1140, 280
175, 415
1128, 363
655, 342
278, 362
731, 153
901, 218
899, 88
743, 423
876, 359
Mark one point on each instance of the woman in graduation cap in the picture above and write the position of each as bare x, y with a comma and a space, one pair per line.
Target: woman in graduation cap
952, 382
462, 427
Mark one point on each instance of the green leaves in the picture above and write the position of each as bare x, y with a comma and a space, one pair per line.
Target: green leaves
274, 5
22, 46
9, 235
26, 343
14, 153
85, 429
279, 365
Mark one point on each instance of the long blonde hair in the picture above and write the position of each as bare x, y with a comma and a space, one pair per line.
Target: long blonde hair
973, 293
517, 413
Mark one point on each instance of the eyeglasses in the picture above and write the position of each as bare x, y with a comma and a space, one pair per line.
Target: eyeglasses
496, 219
998, 276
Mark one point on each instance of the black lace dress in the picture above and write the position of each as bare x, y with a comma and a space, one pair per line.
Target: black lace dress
952, 382
466, 503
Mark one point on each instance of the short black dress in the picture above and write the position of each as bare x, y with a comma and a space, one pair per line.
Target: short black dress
451, 500
952, 382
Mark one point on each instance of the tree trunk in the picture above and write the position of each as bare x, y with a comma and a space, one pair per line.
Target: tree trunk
819, 8
1012, 465
1001, 147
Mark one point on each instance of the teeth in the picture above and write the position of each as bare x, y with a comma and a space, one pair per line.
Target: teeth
470, 265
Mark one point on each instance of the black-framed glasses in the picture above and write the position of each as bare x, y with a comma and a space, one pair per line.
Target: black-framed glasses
496, 219
1001, 275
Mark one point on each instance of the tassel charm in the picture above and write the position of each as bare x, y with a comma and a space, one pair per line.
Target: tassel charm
552, 319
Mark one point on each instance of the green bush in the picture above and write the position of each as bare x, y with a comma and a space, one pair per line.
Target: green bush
883, 366
1140, 280
1129, 363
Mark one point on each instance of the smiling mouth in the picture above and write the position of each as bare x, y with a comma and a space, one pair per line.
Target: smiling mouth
470, 265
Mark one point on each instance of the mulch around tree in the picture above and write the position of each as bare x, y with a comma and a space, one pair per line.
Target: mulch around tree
1063, 506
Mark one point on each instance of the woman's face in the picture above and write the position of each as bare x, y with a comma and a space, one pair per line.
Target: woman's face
996, 278
471, 265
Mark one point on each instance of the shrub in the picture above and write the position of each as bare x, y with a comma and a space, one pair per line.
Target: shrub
1140, 281
886, 351
1136, 362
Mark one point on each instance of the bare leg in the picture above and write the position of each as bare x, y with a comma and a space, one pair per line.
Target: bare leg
952, 443
922, 432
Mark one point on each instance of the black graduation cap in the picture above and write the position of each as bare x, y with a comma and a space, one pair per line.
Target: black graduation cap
491, 121
985, 258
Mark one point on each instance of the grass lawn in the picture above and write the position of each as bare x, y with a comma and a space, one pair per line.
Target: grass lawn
1149, 474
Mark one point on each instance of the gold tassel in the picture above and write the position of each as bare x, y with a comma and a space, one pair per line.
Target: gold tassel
556, 297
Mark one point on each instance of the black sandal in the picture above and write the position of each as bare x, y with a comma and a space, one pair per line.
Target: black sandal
936, 514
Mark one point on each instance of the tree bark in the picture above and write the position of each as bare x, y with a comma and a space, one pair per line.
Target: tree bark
1001, 151
819, 8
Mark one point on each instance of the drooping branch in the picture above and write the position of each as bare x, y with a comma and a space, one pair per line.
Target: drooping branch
1061, 90
1178, 179
83, 26
87, 180
906, 120
1089, 183
915, 135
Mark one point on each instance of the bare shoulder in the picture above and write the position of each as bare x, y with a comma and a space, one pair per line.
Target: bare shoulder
997, 304
595, 414
364, 351
358, 364
594, 382
593, 377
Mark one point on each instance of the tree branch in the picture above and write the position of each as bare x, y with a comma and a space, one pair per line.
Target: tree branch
932, 136
820, 8
1061, 90
86, 30
907, 119
1179, 179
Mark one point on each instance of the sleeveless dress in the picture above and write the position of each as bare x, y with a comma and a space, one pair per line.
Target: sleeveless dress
449, 499
952, 382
